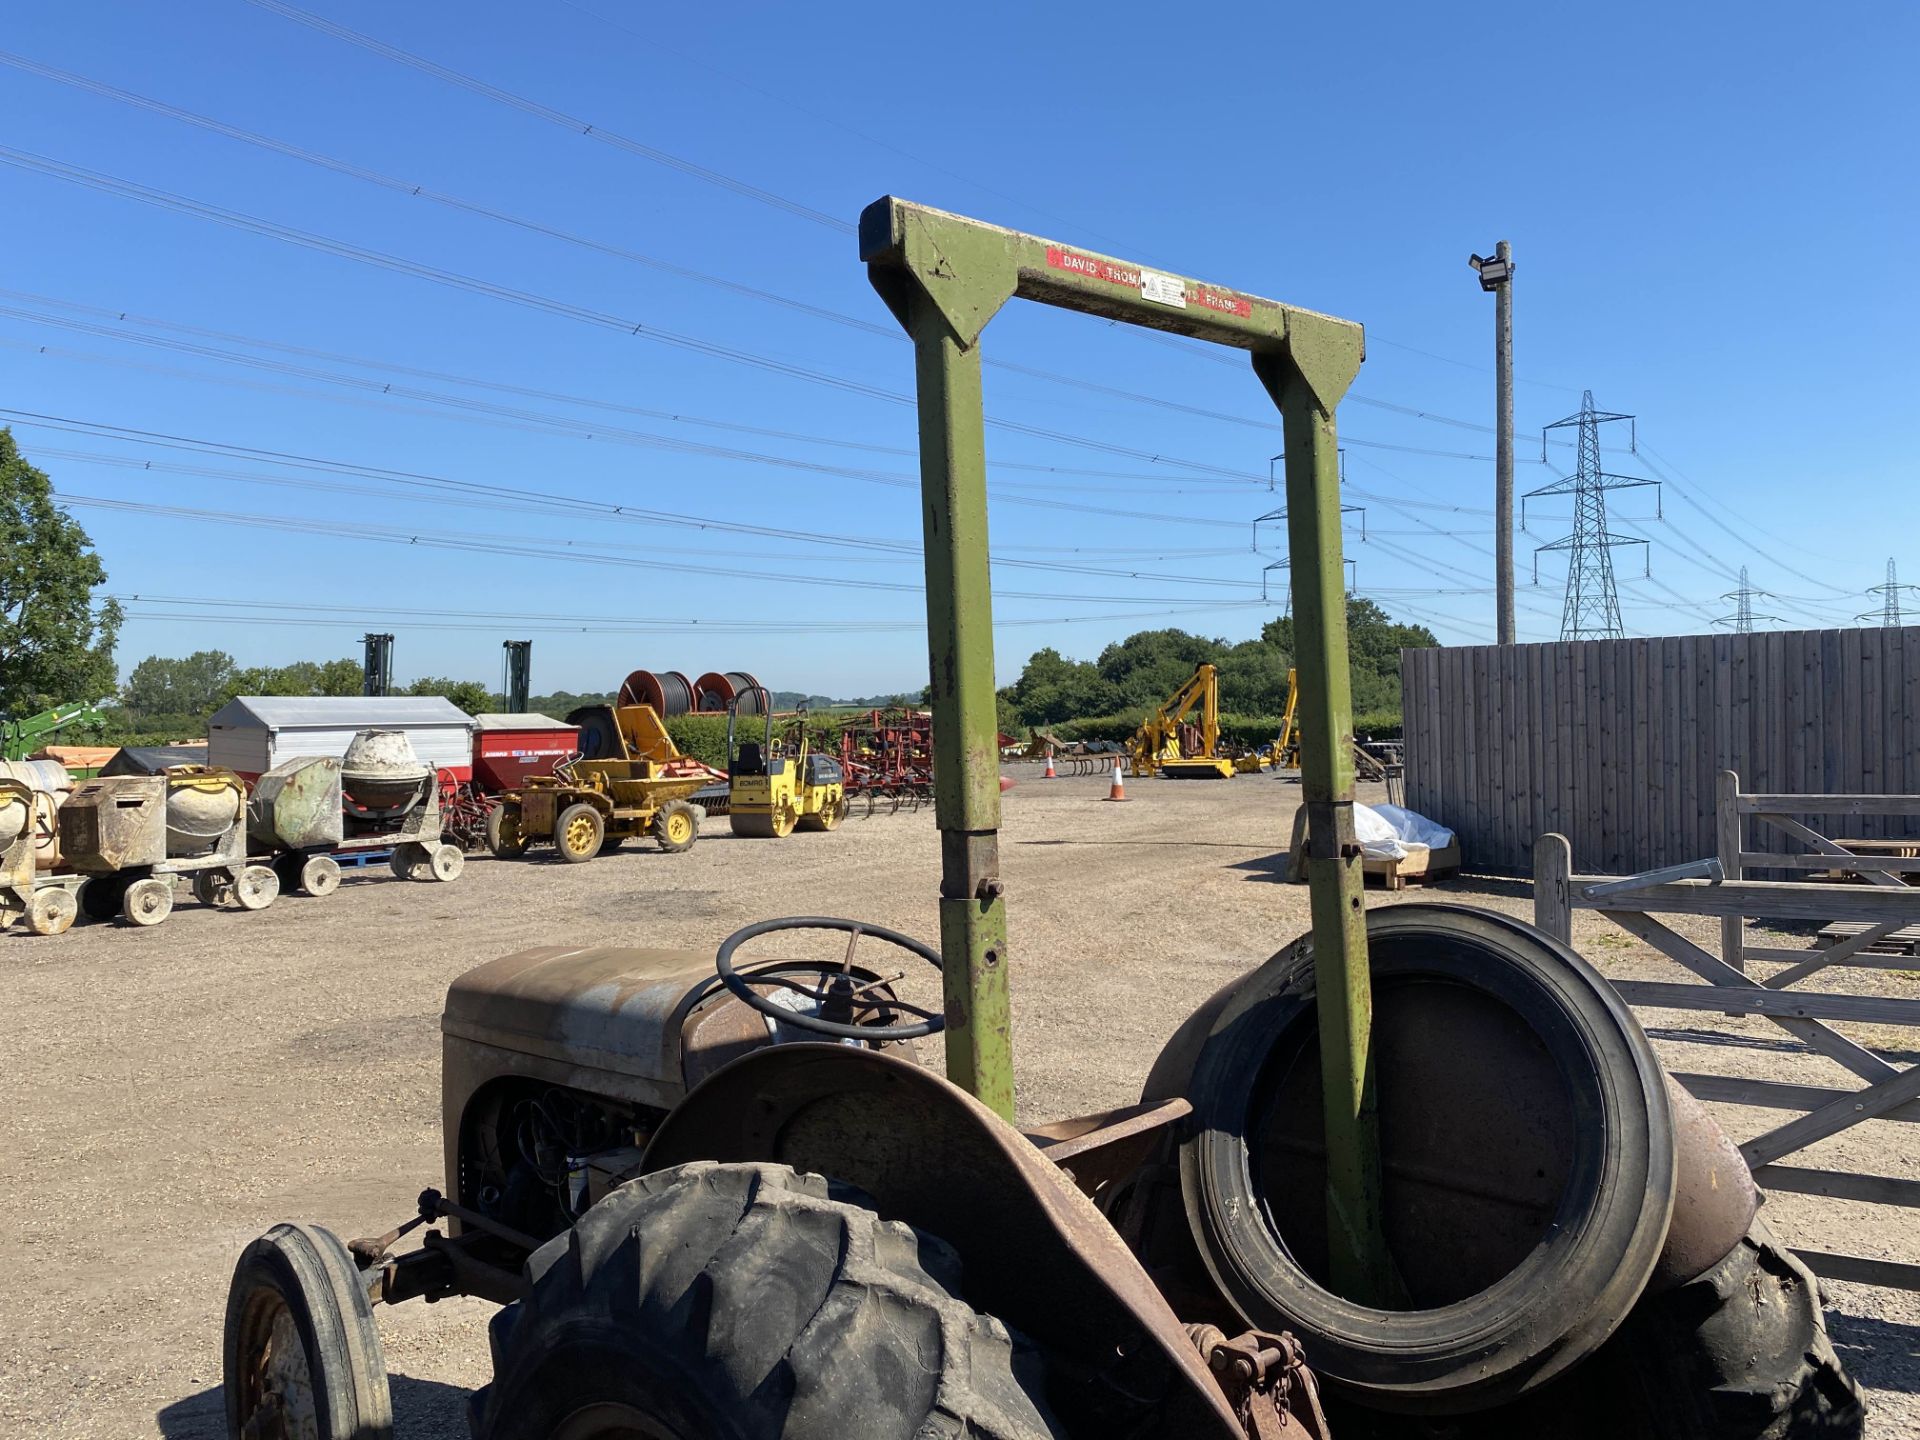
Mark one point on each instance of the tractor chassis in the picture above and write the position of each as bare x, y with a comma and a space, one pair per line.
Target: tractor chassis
1032, 1191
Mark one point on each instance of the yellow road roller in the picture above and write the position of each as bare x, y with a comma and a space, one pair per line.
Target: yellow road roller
776, 784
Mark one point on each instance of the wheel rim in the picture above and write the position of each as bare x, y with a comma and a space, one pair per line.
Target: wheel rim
51, 912
578, 835
280, 1400
679, 828
146, 904
509, 830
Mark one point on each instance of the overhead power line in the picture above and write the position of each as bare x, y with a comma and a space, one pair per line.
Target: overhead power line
574, 123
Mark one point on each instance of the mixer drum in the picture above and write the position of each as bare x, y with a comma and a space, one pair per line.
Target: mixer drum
202, 806
381, 774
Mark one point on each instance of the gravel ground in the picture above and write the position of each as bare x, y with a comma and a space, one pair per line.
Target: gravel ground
168, 1094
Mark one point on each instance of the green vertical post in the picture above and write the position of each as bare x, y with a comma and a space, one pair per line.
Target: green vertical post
943, 307
1361, 1266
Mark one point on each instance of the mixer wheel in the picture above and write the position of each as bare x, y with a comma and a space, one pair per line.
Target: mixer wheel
148, 901
578, 832
212, 887
319, 875
259, 887
51, 911
446, 863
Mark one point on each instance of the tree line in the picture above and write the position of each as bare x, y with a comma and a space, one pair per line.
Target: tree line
1139, 673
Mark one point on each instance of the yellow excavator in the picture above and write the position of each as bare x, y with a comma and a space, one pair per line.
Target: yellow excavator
1169, 745
776, 785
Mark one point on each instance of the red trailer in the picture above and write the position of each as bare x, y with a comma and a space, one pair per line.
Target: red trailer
506, 750
509, 748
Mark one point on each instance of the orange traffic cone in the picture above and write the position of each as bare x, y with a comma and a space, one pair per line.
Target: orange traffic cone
1119, 790
1050, 775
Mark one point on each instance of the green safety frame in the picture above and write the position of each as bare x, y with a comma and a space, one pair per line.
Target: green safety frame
944, 277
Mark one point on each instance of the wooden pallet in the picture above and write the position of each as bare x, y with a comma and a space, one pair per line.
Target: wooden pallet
1901, 942
1420, 866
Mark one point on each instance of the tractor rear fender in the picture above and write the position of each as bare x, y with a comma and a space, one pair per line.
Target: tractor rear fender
1036, 1253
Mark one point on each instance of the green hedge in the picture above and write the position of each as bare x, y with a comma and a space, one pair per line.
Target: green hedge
704, 737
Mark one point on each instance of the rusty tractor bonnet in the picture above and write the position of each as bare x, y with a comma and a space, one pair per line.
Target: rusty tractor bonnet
382, 774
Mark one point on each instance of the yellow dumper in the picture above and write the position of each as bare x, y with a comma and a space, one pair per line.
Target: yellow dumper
587, 807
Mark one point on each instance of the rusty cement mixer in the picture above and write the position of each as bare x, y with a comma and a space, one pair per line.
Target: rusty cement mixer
133, 836
309, 809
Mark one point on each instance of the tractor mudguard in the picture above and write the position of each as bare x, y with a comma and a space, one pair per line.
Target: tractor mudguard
1036, 1253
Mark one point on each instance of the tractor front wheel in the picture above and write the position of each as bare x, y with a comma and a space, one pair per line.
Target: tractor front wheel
505, 839
676, 826
302, 1356
578, 833
761, 1303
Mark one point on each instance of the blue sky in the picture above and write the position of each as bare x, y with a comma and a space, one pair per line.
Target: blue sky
1712, 208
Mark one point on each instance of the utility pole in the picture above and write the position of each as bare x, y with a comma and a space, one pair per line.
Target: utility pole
1497, 275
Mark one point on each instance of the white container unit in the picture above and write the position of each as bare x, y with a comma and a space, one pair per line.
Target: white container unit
256, 732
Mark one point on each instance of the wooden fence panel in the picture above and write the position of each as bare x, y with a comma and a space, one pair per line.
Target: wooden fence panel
1616, 743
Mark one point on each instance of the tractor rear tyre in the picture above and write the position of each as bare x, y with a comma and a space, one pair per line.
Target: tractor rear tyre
302, 1356
578, 833
51, 911
505, 839
761, 1303
676, 826
148, 901
1740, 1353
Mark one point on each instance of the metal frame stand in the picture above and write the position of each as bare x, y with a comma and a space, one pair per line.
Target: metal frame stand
944, 277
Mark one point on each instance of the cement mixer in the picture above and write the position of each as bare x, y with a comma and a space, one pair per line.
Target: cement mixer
133, 836
378, 796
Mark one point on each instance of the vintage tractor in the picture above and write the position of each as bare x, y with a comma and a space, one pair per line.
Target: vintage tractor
636, 783
777, 784
1427, 1148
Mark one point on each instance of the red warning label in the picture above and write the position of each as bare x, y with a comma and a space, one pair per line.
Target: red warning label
1094, 268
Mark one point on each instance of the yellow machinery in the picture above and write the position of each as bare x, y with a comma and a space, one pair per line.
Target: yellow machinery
1169, 745
589, 805
778, 785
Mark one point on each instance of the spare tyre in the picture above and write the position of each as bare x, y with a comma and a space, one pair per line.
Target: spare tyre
1526, 1149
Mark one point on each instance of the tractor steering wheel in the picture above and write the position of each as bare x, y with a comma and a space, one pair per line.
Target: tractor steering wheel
841, 999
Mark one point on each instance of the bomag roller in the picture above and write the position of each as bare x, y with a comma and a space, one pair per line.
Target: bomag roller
777, 783
1417, 1175
590, 804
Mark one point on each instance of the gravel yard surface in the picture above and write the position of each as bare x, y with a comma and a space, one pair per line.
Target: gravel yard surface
167, 1094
